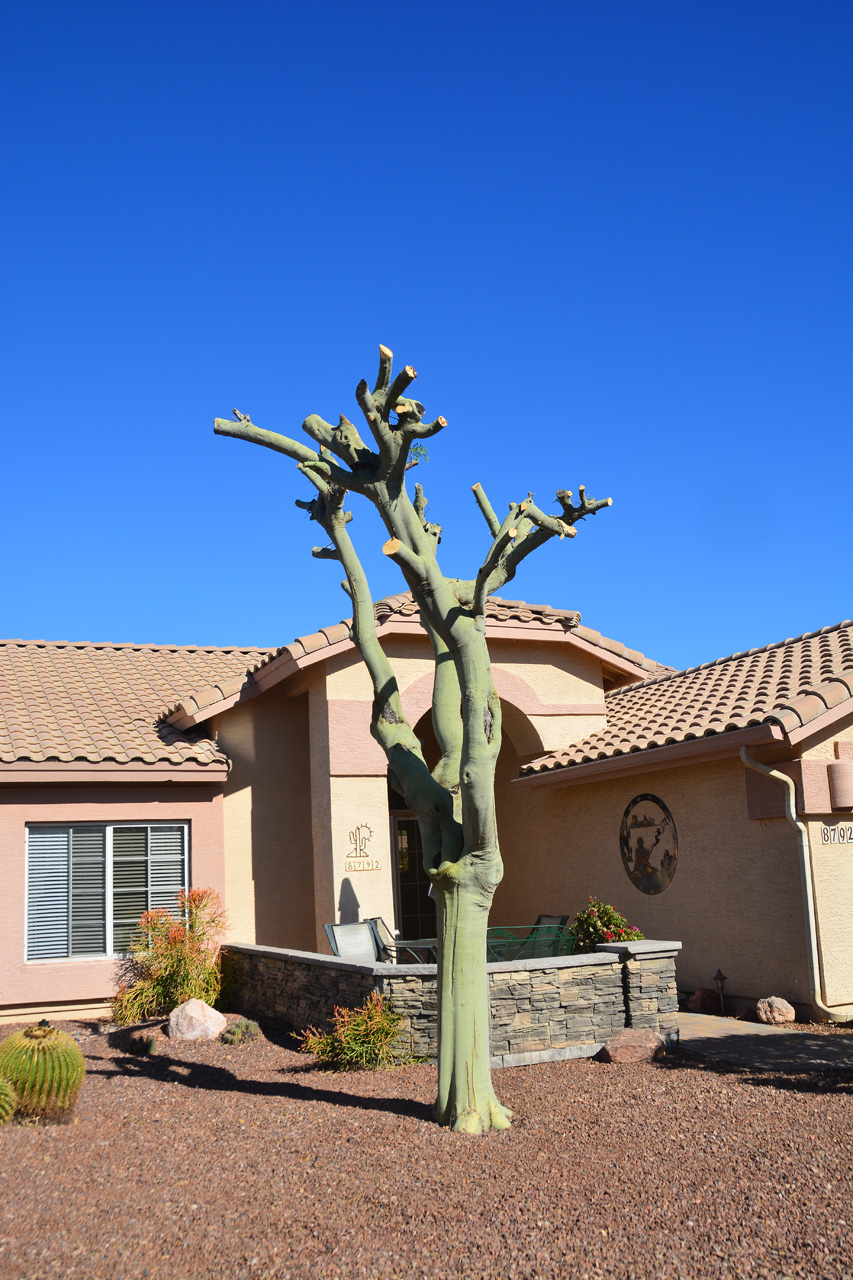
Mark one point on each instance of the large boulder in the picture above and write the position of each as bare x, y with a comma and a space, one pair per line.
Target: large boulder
634, 1044
195, 1020
775, 1011
703, 1001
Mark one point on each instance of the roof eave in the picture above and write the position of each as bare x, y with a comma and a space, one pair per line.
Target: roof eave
715, 746
285, 665
826, 720
27, 772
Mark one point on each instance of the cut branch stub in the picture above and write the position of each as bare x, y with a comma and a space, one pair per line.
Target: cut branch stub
587, 507
402, 555
386, 358
486, 507
398, 386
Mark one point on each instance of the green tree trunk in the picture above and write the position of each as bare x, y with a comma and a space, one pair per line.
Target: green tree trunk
466, 1099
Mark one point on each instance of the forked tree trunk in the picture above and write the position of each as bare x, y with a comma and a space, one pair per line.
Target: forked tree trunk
455, 804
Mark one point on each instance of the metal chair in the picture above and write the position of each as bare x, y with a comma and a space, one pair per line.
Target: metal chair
359, 942
552, 921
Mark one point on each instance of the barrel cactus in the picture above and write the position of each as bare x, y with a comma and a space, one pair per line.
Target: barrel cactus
8, 1101
45, 1068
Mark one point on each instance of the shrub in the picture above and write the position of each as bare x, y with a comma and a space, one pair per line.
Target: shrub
46, 1068
173, 958
601, 923
143, 1046
242, 1031
362, 1039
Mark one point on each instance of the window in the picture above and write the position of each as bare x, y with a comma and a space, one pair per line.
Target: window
88, 886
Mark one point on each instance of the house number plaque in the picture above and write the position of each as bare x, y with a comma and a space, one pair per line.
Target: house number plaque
358, 859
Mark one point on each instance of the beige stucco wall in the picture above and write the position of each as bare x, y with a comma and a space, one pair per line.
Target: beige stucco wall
832, 865
316, 774
267, 821
832, 869
51, 983
734, 901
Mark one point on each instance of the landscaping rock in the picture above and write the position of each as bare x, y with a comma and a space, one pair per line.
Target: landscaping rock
195, 1020
704, 1001
634, 1044
775, 1011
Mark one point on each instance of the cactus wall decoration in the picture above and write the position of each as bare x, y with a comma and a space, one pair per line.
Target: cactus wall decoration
45, 1068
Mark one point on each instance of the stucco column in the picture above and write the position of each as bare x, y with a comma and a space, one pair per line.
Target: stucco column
353, 870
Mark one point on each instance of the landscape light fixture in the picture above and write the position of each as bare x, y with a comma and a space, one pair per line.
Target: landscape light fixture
720, 982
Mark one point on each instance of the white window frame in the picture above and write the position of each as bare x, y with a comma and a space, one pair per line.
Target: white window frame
109, 906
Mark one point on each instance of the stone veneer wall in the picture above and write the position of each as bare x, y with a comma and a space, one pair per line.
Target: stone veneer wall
542, 1010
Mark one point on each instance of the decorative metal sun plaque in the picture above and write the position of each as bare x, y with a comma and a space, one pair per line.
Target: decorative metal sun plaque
649, 844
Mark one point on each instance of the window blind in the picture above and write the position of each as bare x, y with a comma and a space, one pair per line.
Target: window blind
48, 903
68, 872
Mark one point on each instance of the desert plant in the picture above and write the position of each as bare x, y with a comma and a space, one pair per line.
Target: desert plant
173, 958
143, 1046
363, 1039
45, 1067
600, 922
242, 1031
8, 1101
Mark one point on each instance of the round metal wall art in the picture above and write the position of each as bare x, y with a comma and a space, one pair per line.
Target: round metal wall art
649, 844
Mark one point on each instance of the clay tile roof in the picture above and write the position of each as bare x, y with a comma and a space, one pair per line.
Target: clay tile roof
103, 702
789, 684
404, 606
498, 610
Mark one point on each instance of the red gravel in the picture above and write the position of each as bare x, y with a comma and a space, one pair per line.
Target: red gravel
218, 1161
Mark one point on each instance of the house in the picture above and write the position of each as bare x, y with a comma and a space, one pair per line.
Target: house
127, 771
666, 811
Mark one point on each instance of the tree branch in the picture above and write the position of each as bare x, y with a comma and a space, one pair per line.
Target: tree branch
403, 379
386, 357
408, 560
588, 506
488, 567
242, 428
486, 508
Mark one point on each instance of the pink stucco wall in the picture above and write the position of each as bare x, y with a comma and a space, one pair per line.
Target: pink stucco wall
51, 982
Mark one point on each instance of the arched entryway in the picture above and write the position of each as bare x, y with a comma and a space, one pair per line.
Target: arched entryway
415, 910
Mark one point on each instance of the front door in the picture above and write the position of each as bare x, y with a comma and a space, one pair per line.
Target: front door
415, 908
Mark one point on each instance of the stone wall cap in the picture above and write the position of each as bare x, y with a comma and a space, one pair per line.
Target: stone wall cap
647, 949
384, 970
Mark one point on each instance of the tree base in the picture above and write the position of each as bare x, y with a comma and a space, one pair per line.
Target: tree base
475, 1120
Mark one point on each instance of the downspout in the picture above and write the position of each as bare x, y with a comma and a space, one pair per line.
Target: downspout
841, 1013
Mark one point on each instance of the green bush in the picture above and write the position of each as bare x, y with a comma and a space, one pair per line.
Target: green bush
362, 1039
143, 1046
242, 1031
173, 958
46, 1068
600, 922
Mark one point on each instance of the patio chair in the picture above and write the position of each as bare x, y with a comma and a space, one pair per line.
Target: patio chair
420, 951
358, 942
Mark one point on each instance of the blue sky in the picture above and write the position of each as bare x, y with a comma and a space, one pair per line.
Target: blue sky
614, 240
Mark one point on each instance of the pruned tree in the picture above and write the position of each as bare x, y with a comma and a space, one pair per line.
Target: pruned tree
455, 801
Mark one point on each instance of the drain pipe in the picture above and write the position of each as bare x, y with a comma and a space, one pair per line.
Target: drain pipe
841, 1013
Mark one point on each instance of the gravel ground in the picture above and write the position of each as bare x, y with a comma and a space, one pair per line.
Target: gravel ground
218, 1161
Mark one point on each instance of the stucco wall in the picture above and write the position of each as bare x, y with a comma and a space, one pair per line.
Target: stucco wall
735, 899
306, 773
267, 820
52, 983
